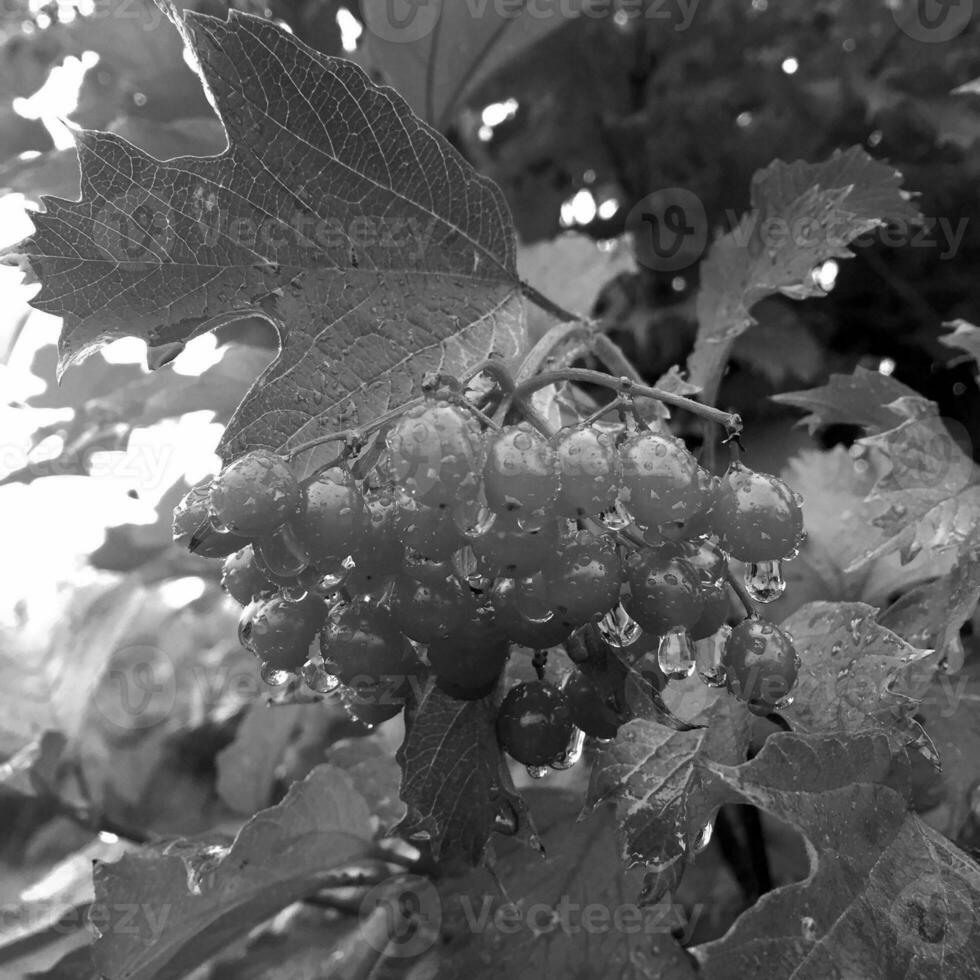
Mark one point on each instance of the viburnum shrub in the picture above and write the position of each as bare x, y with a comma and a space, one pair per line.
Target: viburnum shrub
496, 570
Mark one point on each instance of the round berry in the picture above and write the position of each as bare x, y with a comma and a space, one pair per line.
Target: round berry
589, 469
664, 591
255, 494
281, 555
379, 549
590, 711
534, 723
362, 645
367, 708
193, 530
584, 577
520, 475
242, 578
426, 611
713, 615
761, 662
524, 614
429, 532
757, 515
661, 479
434, 452
279, 631
468, 662
509, 549
330, 523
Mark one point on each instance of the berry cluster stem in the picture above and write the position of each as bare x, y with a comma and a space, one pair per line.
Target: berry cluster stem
738, 587
626, 386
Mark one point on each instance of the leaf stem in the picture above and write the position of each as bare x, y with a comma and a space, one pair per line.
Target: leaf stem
542, 301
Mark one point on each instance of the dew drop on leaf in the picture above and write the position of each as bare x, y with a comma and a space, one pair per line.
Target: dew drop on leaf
537, 772
505, 820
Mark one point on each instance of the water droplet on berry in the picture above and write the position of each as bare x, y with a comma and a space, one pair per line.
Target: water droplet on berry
704, 838
619, 629
533, 521
281, 554
318, 678
473, 518
764, 580
274, 676
217, 526
709, 658
334, 574
537, 772
530, 600
572, 752
616, 518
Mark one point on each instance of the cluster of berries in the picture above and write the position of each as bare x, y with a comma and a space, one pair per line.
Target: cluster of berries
466, 538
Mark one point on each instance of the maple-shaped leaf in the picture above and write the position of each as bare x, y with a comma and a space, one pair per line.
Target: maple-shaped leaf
855, 674
931, 488
575, 913
862, 398
374, 248
932, 614
198, 898
454, 778
927, 488
438, 52
837, 560
803, 214
887, 896
666, 793
950, 713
